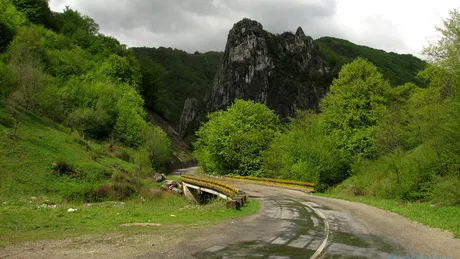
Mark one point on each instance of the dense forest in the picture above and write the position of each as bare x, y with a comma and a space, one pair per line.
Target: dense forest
380, 134
178, 75
170, 76
58, 67
397, 68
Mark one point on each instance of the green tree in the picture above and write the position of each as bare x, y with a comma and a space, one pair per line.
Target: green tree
158, 147
72, 21
152, 86
121, 69
303, 152
232, 141
445, 51
445, 75
353, 106
10, 15
6, 35
25, 51
37, 11
90, 122
131, 124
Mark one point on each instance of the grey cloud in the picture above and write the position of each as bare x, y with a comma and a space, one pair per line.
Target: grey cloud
198, 24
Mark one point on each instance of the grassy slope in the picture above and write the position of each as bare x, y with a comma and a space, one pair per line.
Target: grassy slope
26, 162
23, 220
27, 182
443, 217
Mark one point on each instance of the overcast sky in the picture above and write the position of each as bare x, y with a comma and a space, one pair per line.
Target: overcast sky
402, 26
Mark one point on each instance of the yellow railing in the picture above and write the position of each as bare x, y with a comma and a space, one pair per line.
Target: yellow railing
293, 183
212, 184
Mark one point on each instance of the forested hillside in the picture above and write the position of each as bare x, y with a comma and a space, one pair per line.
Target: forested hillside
171, 76
59, 75
398, 68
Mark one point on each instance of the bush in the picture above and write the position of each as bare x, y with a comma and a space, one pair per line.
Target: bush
446, 190
6, 120
232, 141
63, 168
131, 124
123, 155
83, 192
305, 153
124, 185
158, 147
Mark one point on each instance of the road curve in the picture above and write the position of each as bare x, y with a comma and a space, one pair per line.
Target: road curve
292, 224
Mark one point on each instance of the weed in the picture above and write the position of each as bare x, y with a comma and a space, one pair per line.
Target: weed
63, 168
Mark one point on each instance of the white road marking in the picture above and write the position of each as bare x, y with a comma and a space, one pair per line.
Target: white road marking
215, 249
326, 230
300, 242
279, 241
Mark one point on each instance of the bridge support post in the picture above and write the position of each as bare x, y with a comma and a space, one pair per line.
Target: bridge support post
191, 194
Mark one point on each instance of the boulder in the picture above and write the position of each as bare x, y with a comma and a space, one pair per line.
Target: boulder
159, 178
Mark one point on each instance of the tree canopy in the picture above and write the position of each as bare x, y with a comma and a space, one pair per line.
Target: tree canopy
397, 68
352, 107
232, 141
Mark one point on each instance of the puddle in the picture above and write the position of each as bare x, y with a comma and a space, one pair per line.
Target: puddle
302, 232
256, 249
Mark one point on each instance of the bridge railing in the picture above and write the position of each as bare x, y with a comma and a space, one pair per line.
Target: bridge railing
290, 183
226, 189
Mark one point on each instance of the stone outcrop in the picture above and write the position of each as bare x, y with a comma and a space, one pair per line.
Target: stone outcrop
283, 71
190, 116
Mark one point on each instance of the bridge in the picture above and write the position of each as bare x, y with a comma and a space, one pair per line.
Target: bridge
201, 189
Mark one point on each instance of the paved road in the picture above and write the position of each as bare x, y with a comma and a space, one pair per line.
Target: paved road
303, 231
291, 225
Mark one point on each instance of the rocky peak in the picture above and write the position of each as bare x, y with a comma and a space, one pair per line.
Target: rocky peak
286, 72
300, 33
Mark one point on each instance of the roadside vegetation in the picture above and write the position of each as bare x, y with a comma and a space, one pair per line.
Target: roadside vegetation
436, 216
389, 143
30, 220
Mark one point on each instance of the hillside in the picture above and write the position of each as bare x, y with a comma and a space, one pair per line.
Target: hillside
70, 96
80, 166
178, 75
397, 68
183, 75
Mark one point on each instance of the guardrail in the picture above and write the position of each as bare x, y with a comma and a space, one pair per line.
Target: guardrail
290, 183
235, 198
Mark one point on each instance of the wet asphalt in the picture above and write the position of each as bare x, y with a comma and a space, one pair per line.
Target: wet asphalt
303, 231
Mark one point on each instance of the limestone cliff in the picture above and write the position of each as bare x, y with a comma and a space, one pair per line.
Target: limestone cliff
286, 72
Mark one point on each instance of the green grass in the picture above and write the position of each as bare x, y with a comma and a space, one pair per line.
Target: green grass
24, 221
28, 181
26, 161
443, 217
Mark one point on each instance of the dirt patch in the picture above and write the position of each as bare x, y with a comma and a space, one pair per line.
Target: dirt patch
141, 225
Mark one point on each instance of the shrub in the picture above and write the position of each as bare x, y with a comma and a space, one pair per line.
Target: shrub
232, 141
124, 185
158, 146
83, 192
123, 155
6, 120
103, 192
63, 168
446, 190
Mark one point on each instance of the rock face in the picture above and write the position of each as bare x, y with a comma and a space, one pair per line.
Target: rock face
285, 72
190, 116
